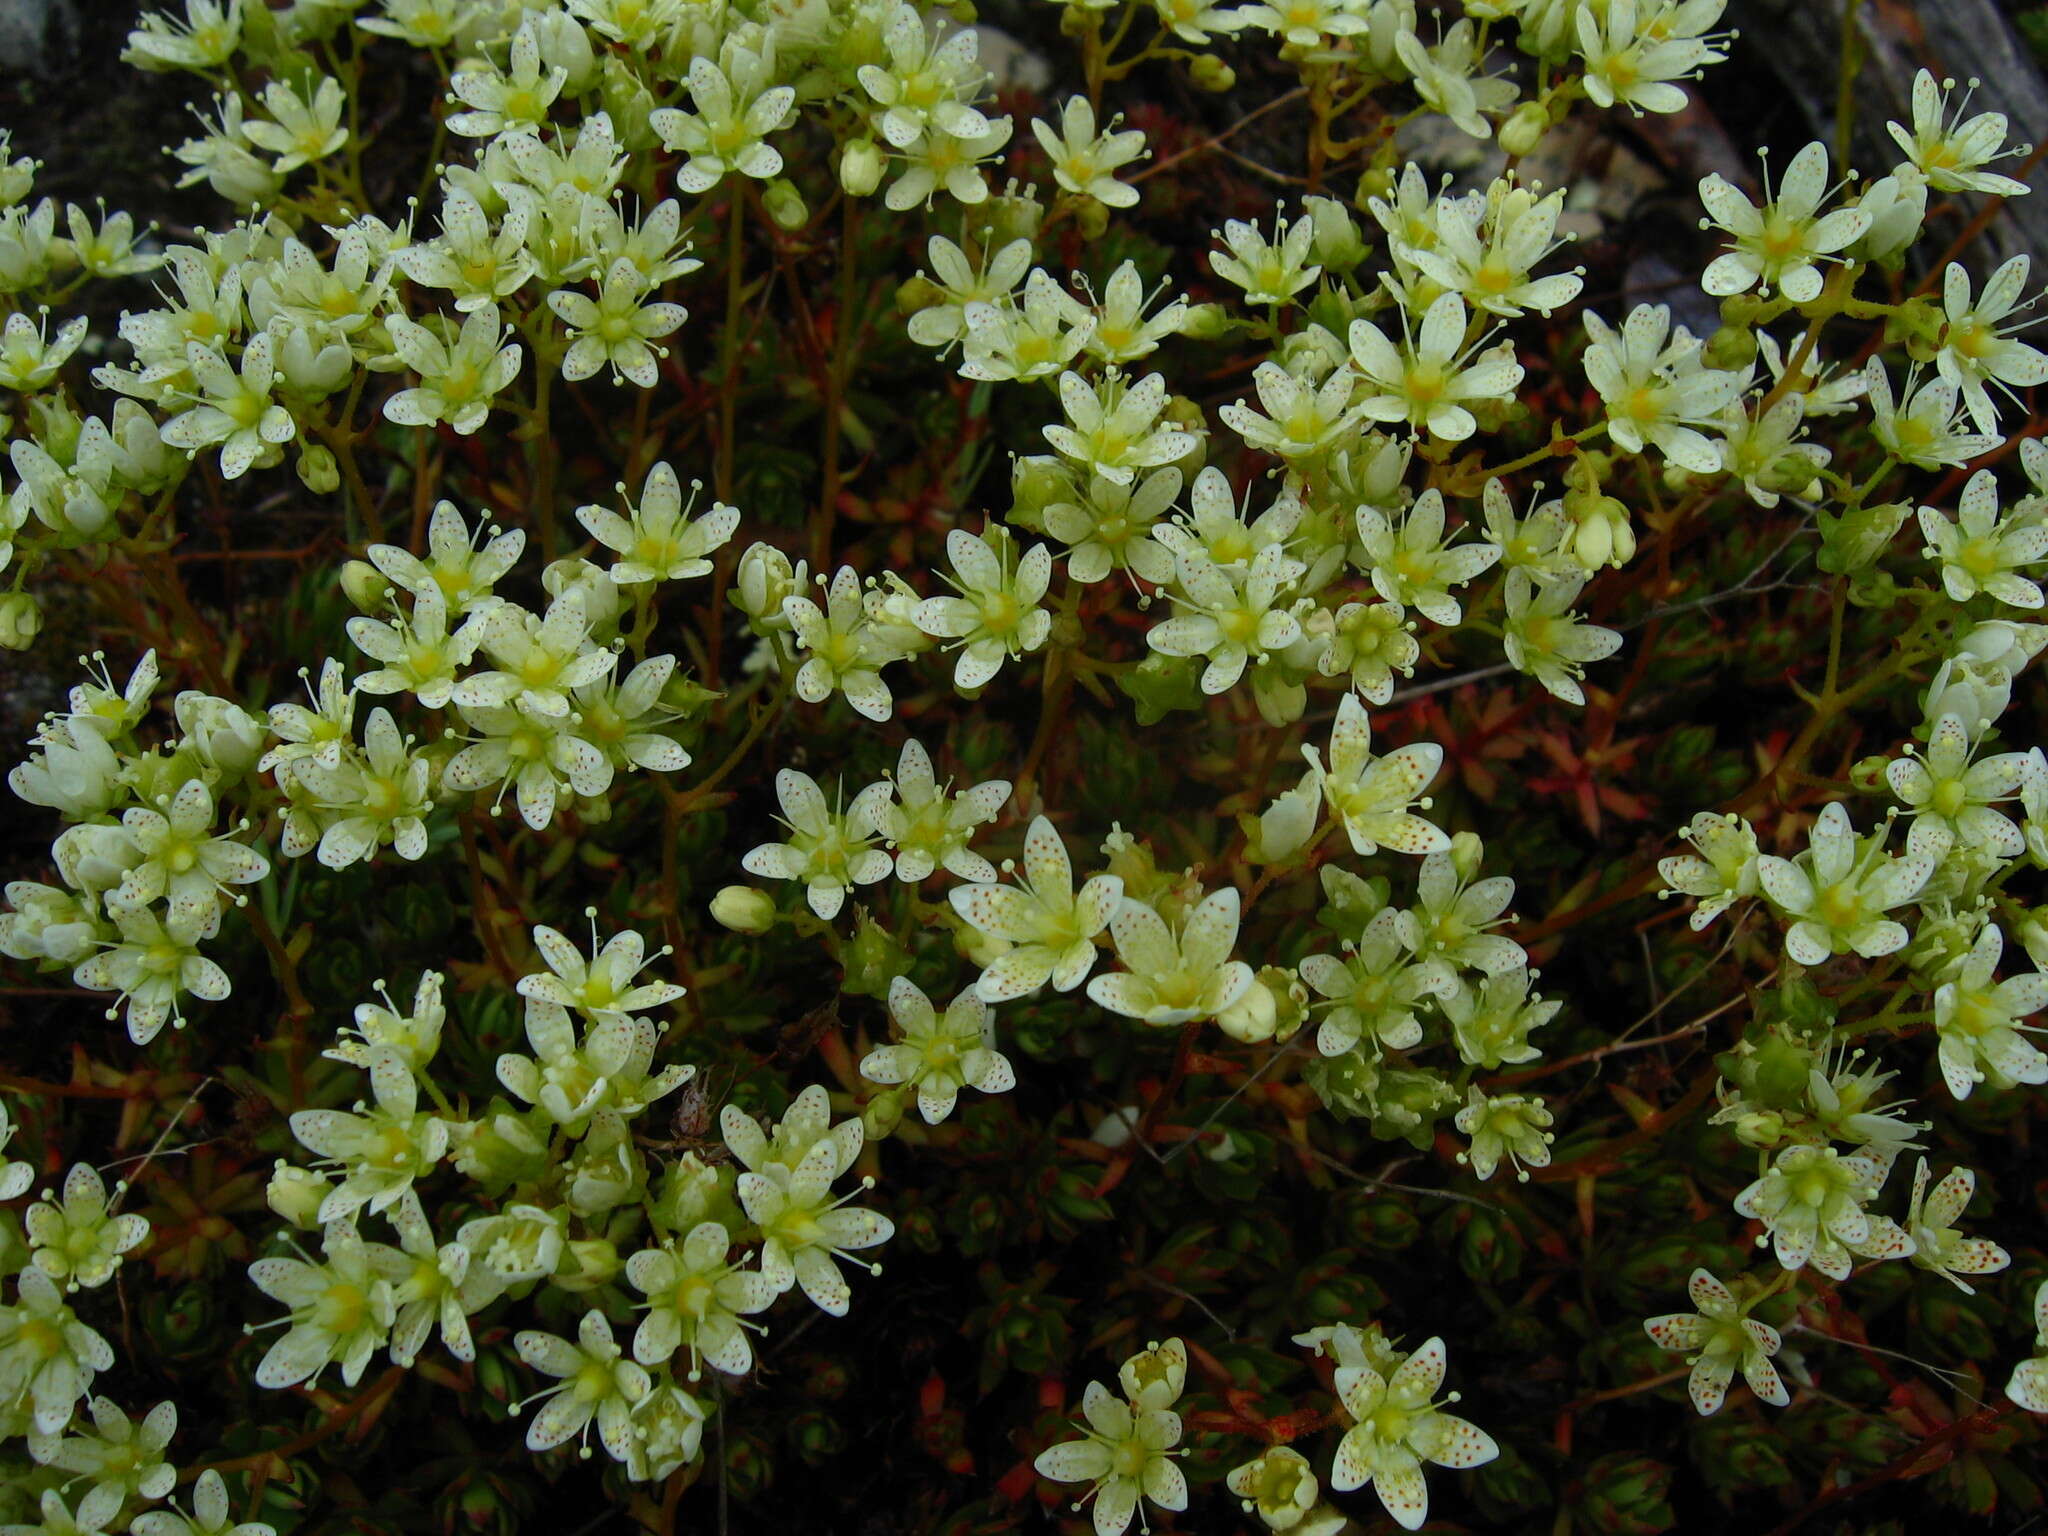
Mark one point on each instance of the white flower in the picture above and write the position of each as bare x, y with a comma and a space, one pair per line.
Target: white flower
181, 863
2029, 1384
929, 827
1982, 550
1948, 149
1636, 56
154, 964
1811, 1204
1978, 1021
1172, 978
830, 851
233, 410
736, 109
341, 1311
1654, 388
996, 614
541, 659
1113, 428
573, 1080
1921, 429
1510, 1125
1127, 1453
1278, 1485
1544, 638
1718, 1337
80, 1243
1781, 244
938, 1056
847, 652
1977, 347
374, 797
420, 654
1722, 873
383, 1149
1269, 273
1051, 928
461, 571
1951, 797
1231, 618
1396, 1427
602, 987
506, 101
1423, 380
1487, 245
1084, 162
618, 328
458, 377
1413, 563
696, 1300
1371, 795
1372, 990
803, 1229
1837, 892
595, 1384
119, 1455
1931, 1221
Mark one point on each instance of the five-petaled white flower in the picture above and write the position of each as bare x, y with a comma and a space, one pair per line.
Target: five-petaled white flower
1127, 1453
1050, 928
830, 851
1396, 1427
1174, 977
1931, 1223
939, 1054
1782, 243
1371, 795
1719, 1337
595, 1384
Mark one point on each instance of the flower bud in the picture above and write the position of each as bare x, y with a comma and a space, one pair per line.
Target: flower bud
860, 168
587, 1263
21, 620
1252, 1017
744, 909
364, 585
784, 204
1337, 241
223, 735
1897, 205
1466, 852
1524, 129
765, 577
873, 960
1206, 322
296, 1195
1731, 347
880, 1116
1854, 540
1093, 220
317, 469
1211, 74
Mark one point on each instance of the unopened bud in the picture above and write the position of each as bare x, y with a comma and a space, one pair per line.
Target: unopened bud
785, 205
364, 585
1731, 347
860, 168
318, 471
880, 1116
743, 909
1524, 129
296, 1195
1211, 74
1252, 1017
21, 620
